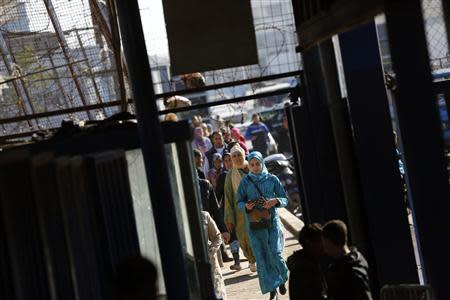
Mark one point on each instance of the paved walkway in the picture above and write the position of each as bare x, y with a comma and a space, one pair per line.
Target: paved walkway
243, 285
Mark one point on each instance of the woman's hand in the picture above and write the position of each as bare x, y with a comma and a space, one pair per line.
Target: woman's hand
230, 227
271, 203
225, 237
250, 205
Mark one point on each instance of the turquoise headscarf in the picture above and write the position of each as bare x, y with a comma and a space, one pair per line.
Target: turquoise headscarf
264, 173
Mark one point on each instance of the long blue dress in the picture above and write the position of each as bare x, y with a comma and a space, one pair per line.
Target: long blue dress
267, 244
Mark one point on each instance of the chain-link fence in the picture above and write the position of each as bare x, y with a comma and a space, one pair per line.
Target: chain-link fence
55, 55
436, 35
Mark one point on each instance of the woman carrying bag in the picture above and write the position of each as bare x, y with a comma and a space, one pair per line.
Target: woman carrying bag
259, 195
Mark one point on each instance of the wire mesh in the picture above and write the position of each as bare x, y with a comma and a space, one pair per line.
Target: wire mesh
407, 292
54, 55
59, 54
436, 35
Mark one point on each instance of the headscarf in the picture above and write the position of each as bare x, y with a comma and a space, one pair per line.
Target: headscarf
223, 161
199, 140
235, 173
237, 132
216, 156
213, 173
264, 173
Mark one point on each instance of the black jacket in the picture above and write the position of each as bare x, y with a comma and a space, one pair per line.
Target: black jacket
210, 204
306, 279
200, 174
348, 278
220, 187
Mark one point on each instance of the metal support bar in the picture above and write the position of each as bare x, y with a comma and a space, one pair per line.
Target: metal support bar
229, 84
421, 134
194, 207
117, 53
62, 42
63, 102
330, 194
341, 128
228, 101
19, 88
377, 161
176, 278
42, 71
62, 112
91, 74
300, 131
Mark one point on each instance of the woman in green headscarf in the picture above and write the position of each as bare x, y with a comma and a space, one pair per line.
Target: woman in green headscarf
233, 217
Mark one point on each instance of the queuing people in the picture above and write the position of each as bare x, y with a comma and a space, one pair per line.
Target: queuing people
227, 164
258, 133
198, 160
211, 205
220, 185
236, 135
226, 134
216, 169
196, 121
306, 278
237, 138
213, 236
219, 146
283, 139
347, 276
200, 142
207, 130
235, 218
259, 195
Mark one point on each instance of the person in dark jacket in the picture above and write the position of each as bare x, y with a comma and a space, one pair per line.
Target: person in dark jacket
347, 276
219, 146
220, 185
220, 188
210, 204
306, 279
283, 139
198, 160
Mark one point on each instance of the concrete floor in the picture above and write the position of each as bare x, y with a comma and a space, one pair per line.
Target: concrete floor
243, 285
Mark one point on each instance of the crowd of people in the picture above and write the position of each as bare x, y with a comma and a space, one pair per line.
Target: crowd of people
240, 201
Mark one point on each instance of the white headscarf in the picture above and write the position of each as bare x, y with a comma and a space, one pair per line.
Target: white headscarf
235, 174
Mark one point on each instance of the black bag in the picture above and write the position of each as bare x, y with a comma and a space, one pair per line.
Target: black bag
259, 218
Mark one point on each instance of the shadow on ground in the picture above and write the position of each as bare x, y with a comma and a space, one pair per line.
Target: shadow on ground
239, 279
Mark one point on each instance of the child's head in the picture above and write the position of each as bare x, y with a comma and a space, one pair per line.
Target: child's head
310, 238
217, 161
334, 237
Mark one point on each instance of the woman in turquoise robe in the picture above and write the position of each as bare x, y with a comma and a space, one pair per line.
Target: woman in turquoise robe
267, 244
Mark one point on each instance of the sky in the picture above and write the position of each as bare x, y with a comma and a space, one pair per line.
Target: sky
152, 17
73, 14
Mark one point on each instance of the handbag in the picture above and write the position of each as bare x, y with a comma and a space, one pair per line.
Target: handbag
259, 218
